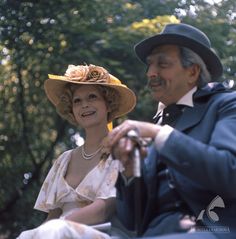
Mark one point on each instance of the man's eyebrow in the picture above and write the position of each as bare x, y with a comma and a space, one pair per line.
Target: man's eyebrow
148, 60
149, 57
160, 56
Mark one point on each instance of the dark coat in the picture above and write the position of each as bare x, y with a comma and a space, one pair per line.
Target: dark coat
201, 156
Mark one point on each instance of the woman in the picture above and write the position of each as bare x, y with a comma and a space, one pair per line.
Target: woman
79, 189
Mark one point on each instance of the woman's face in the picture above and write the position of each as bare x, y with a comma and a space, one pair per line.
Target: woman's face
89, 106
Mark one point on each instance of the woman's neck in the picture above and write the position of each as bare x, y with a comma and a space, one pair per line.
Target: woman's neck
94, 138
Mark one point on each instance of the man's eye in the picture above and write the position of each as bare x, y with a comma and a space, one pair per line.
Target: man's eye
163, 64
76, 100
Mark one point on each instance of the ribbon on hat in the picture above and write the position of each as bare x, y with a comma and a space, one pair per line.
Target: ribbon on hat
110, 126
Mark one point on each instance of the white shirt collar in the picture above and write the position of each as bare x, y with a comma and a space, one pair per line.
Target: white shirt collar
187, 100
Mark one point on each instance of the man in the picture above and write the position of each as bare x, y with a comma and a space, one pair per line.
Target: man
189, 176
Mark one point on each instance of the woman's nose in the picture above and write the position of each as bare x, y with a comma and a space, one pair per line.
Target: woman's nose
84, 103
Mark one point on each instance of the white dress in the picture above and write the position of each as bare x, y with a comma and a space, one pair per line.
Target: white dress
56, 193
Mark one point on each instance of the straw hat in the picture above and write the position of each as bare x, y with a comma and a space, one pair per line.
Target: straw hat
90, 75
186, 36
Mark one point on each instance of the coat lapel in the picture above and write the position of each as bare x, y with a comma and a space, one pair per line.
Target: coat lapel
191, 116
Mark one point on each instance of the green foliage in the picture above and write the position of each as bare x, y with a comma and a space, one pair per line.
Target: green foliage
41, 37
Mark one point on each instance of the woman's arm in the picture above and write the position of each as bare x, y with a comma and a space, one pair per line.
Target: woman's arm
53, 214
97, 212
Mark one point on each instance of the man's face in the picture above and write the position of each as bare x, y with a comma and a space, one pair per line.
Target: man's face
167, 79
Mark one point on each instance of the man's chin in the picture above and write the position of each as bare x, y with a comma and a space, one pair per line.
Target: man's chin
156, 95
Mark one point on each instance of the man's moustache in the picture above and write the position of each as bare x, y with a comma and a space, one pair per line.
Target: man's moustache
155, 81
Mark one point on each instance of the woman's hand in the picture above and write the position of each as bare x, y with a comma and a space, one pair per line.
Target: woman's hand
97, 212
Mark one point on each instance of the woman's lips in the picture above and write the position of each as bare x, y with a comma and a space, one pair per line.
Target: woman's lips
88, 113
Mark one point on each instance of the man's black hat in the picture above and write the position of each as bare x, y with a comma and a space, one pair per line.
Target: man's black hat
186, 36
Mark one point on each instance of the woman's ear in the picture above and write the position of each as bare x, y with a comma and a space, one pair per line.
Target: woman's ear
108, 108
108, 104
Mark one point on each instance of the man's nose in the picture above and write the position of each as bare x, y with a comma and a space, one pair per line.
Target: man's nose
152, 72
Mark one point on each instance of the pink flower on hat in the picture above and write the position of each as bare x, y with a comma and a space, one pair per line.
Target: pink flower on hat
89, 73
78, 73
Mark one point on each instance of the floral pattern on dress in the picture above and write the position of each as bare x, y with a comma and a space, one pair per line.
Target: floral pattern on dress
98, 183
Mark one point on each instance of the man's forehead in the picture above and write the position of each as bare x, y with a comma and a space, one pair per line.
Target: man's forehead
164, 51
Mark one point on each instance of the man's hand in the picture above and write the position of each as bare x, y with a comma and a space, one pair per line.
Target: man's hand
123, 150
144, 129
122, 147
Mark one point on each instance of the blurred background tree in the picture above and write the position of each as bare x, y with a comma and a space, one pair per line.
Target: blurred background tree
41, 37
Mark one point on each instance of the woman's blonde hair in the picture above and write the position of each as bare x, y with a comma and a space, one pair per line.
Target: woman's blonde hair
64, 107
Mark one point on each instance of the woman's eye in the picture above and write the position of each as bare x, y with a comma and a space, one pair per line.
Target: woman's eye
92, 96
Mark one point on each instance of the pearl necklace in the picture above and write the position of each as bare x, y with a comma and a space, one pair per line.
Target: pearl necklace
89, 156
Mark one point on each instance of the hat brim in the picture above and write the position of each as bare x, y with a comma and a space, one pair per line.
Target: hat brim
144, 48
55, 87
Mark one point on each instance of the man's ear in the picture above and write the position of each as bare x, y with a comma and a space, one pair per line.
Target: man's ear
194, 72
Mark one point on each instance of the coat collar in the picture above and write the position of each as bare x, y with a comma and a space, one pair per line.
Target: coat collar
201, 98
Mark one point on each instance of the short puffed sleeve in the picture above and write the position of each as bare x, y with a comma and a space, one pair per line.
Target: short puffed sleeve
53, 189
